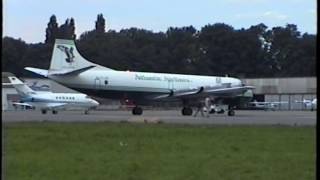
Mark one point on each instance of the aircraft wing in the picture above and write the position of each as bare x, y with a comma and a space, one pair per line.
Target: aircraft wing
22, 104
280, 102
54, 105
265, 103
42, 105
206, 91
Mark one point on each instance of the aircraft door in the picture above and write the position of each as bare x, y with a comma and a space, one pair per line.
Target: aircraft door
218, 81
171, 84
97, 83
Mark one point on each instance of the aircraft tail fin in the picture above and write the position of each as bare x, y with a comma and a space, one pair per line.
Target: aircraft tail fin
22, 89
65, 56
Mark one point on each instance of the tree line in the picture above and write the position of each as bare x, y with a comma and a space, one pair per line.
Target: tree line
215, 49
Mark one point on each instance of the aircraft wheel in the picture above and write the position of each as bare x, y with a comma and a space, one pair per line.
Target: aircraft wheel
231, 113
186, 111
221, 111
137, 111
86, 112
43, 111
54, 112
212, 111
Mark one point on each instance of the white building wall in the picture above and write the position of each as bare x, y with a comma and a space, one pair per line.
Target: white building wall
6, 104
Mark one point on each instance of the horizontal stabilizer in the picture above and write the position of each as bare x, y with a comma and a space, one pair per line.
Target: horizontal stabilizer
69, 71
61, 72
41, 72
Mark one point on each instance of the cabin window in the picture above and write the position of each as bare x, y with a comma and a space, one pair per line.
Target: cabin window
106, 82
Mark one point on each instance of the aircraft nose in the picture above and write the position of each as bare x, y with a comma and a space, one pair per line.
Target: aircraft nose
95, 103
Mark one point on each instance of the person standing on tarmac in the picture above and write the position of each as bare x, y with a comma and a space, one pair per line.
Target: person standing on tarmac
207, 103
200, 106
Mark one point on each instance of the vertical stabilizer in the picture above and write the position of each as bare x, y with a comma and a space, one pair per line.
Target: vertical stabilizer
22, 89
66, 56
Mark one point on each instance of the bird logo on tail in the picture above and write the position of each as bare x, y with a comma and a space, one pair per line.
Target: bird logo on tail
68, 52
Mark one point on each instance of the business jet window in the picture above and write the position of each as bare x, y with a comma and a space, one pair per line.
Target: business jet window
106, 82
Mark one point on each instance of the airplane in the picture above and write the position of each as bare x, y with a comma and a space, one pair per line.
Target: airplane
45, 100
272, 105
312, 104
70, 69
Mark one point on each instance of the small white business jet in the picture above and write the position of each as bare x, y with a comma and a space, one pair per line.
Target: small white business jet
69, 68
50, 101
272, 105
312, 104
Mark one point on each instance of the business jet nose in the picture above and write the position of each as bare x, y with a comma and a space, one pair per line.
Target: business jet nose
95, 103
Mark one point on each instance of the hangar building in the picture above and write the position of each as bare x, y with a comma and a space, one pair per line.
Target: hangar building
284, 89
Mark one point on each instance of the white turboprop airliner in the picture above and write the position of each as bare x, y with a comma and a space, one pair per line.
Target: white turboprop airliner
49, 100
69, 68
272, 105
312, 104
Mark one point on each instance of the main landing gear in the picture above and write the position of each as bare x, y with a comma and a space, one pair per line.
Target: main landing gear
230, 111
137, 110
186, 111
44, 111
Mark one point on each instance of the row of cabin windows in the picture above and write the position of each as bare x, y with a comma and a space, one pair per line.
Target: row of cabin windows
62, 97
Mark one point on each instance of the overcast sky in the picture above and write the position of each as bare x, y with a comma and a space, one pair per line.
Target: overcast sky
27, 19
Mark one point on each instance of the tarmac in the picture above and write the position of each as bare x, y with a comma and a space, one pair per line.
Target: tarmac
242, 117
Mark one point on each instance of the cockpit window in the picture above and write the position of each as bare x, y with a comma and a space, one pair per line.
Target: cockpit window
87, 97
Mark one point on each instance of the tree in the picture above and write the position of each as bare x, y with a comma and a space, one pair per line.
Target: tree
67, 30
52, 30
100, 24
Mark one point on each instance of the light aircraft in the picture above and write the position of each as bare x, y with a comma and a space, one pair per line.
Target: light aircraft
312, 104
272, 105
69, 68
50, 101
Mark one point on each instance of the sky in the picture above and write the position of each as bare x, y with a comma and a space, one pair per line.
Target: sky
27, 19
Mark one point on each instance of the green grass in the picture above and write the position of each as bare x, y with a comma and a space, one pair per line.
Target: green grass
96, 151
